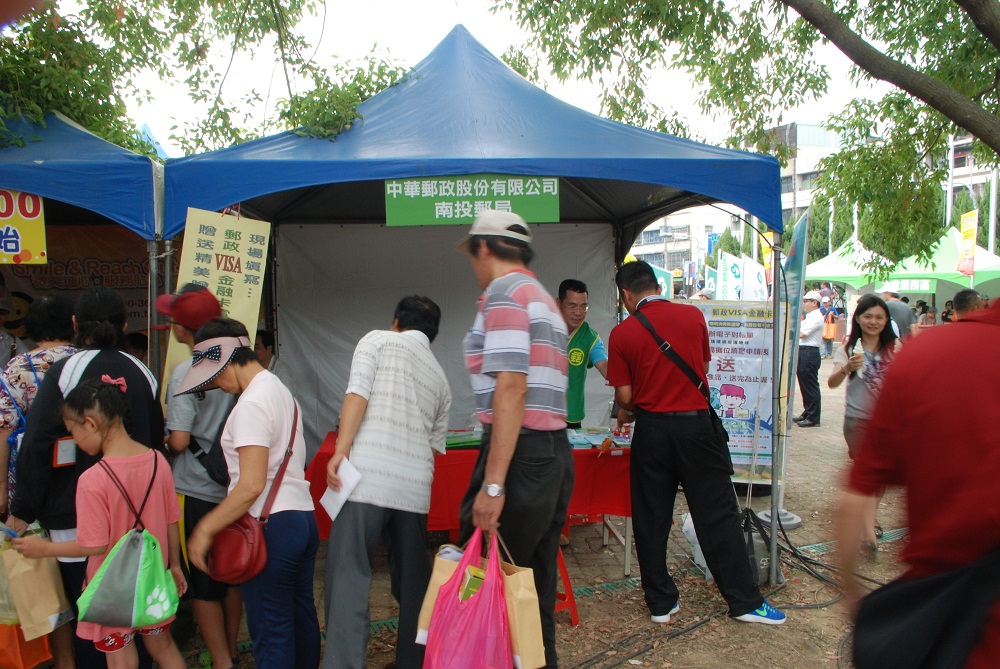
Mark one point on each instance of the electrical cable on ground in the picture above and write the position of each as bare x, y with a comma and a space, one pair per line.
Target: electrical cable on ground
649, 639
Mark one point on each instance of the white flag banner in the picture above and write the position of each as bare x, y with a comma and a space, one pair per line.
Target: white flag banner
754, 281
730, 279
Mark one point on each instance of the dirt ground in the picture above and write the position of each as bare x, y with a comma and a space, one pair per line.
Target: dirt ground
614, 627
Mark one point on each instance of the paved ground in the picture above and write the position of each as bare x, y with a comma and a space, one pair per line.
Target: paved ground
614, 625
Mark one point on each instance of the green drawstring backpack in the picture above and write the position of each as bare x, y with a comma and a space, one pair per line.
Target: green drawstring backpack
132, 588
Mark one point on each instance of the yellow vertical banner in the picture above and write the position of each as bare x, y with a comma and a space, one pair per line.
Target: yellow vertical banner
967, 254
766, 242
226, 254
22, 229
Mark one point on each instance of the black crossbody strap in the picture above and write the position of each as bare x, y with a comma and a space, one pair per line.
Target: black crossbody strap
121, 488
675, 357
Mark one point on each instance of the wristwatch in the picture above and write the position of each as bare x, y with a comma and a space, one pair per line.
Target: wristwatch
493, 489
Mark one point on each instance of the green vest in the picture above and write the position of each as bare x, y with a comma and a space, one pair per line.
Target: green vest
578, 354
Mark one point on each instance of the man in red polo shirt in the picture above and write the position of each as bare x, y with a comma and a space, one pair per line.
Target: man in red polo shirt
952, 507
673, 443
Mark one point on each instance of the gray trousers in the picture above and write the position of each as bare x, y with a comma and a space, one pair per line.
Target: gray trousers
354, 536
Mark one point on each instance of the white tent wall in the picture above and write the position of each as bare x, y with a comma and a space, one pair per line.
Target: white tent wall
335, 283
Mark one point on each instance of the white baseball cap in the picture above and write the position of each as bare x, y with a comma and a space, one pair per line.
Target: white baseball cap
811, 295
493, 223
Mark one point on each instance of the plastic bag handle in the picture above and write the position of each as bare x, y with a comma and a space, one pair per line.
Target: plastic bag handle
472, 557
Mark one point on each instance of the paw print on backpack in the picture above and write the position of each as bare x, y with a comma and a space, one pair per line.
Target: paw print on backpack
157, 603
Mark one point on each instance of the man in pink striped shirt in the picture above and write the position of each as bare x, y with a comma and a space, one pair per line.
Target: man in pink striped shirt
516, 357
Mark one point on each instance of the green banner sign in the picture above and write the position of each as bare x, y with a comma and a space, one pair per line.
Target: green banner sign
457, 200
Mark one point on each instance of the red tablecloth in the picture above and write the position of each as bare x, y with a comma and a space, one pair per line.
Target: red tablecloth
601, 488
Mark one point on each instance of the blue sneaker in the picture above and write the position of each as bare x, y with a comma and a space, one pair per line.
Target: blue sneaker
663, 620
766, 614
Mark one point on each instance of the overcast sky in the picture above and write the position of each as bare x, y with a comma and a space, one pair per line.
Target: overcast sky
407, 30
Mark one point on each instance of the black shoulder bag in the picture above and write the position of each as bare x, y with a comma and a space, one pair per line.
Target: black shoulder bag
927, 623
213, 460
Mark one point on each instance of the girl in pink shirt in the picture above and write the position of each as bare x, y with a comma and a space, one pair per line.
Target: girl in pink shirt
96, 415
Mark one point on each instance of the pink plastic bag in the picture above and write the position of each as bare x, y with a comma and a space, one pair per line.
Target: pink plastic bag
473, 634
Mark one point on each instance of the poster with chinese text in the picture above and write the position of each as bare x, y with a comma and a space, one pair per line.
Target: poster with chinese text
967, 253
81, 257
457, 200
227, 255
22, 229
740, 379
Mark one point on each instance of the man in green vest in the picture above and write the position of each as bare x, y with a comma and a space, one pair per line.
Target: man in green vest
585, 348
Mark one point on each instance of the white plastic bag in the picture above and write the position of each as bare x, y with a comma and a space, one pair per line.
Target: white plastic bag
692, 537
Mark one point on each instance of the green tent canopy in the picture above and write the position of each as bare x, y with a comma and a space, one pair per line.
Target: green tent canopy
843, 265
943, 264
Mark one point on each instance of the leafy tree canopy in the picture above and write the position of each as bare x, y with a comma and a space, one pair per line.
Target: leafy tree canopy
753, 59
87, 64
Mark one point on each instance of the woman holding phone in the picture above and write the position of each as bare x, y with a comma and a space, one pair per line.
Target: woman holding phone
862, 362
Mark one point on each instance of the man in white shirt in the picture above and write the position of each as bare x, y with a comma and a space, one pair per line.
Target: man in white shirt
395, 415
810, 339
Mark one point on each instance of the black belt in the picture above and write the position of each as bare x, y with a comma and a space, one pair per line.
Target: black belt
699, 412
807, 346
487, 429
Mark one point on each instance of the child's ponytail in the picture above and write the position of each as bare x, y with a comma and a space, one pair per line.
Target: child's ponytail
105, 396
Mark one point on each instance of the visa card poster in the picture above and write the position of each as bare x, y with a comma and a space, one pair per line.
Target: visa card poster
740, 379
227, 255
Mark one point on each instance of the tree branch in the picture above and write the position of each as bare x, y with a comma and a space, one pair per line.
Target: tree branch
985, 14
960, 109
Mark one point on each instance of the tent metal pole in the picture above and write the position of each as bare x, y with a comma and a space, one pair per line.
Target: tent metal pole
152, 248
777, 425
168, 265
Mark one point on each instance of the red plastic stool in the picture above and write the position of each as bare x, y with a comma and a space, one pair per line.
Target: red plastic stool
566, 600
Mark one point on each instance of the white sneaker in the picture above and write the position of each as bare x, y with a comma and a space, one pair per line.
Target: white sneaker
663, 620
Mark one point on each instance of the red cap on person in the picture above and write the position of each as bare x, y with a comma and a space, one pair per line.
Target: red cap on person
192, 306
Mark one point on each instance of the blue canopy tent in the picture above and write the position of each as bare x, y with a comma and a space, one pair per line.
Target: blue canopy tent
339, 270
62, 161
84, 181
463, 111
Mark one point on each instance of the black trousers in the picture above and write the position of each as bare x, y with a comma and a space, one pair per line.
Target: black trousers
671, 450
808, 376
539, 484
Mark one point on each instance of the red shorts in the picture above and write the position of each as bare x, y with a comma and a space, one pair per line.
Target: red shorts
116, 641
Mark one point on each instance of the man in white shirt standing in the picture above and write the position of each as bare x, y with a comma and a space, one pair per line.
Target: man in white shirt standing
395, 415
810, 339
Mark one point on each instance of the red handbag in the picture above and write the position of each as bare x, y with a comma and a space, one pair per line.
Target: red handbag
239, 551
